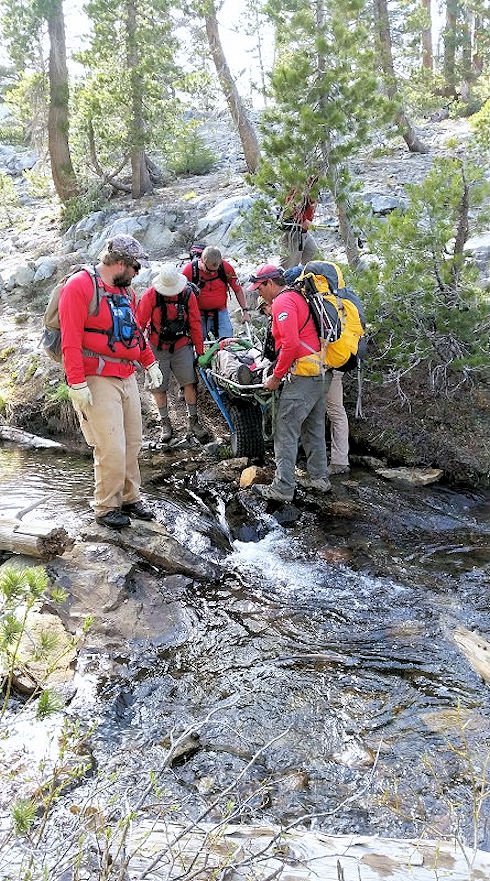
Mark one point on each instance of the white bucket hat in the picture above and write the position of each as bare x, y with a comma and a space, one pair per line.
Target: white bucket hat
169, 281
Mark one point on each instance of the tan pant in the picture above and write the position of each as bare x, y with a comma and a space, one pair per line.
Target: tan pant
339, 424
113, 428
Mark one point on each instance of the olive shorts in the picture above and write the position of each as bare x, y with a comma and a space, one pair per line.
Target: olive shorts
180, 362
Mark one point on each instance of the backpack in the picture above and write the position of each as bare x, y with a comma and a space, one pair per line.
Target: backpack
178, 327
51, 336
337, 313
123, 325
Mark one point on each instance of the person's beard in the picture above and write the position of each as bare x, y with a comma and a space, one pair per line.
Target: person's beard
122, 280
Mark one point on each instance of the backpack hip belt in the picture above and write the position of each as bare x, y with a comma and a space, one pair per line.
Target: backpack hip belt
103, 358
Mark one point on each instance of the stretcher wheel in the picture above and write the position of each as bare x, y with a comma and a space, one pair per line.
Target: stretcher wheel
247, 438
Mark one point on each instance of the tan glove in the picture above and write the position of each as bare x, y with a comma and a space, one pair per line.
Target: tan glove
81, 397
154, 377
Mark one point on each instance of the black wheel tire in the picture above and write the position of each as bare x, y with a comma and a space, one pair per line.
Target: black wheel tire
247, 439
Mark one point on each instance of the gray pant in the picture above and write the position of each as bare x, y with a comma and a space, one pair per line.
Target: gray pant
300, 416
297, 247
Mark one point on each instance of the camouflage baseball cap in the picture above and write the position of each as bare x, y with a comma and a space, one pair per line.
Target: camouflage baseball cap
129, 248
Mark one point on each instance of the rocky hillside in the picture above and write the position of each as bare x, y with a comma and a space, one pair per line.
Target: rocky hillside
415, 425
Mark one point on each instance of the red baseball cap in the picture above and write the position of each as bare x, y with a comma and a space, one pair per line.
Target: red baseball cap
263, 273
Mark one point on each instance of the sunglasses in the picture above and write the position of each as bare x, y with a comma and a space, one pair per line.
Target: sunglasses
261, 279
135, 265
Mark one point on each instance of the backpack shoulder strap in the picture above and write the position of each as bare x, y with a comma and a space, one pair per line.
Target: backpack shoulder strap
222, 275
195, 270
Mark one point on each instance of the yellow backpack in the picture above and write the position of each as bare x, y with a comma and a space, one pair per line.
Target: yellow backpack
337, 312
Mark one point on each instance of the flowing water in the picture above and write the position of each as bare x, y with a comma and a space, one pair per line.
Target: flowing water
330, 637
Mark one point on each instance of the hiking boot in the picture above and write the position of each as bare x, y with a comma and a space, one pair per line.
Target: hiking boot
194, 427
166, 431
271, 493
320, 484
114, 519
138, 511
338, 469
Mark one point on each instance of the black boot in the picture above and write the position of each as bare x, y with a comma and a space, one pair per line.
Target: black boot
137, 510
194, 427
114, 519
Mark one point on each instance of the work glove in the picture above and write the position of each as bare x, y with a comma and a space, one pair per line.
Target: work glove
154, 377
81, 397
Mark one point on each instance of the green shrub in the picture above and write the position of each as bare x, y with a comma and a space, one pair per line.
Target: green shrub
190, 154
424, 303
39, 185
13, 133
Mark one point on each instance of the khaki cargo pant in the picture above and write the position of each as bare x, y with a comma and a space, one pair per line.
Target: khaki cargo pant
113, 428
339, 424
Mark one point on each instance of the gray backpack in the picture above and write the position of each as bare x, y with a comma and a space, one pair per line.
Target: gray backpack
51, 337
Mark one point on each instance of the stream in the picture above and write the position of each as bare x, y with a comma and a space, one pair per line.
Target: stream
329, 638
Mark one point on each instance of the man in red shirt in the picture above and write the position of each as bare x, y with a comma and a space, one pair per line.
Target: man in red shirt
301, 412
169, 313
298, 244
214, 276
100, 354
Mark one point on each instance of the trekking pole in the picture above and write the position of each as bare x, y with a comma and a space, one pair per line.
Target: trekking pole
248, 331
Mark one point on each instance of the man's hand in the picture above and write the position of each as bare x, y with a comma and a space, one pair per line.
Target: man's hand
245, 316
81, 397
272, 383
154, 377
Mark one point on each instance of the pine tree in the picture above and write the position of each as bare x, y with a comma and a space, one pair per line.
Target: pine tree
128, 96
383, 34
22, 24
324, 89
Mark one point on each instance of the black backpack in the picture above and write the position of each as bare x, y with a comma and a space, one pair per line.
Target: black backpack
178, 327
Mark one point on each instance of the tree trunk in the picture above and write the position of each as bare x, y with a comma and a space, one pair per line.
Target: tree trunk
239, 115
140, 178
427, 56
346, 229
64, 178
449, 63
466, 64
405, 127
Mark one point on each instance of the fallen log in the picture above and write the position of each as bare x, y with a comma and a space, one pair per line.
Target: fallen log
476, 649
36, 539
28, 441
294, 855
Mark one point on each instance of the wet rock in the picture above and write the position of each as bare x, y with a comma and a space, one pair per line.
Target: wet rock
102, 582
184, 749
335, 555
153, 542
227, 471
415, 476
454, 719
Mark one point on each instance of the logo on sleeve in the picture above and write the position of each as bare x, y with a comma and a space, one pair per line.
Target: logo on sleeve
282, 316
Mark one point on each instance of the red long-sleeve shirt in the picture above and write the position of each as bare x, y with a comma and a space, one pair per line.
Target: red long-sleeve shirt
76, 325
214, 293
292, 325
149, 317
